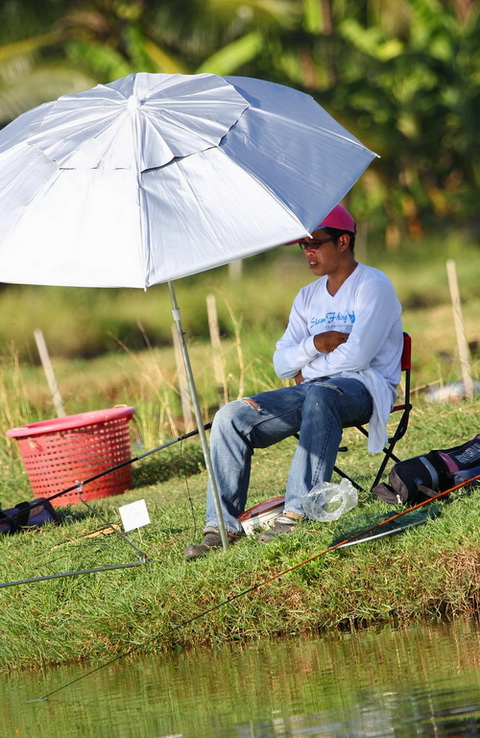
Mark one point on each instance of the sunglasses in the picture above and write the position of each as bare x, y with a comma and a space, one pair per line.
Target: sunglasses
312, 243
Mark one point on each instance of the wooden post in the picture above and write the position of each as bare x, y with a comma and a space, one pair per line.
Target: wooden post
218, 368
235, 269
182, 385
49, 373
462, 344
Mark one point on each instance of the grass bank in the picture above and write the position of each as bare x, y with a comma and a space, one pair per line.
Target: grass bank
429, 573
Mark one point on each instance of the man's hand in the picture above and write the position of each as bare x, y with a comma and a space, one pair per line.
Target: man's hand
329, 341
325, 342
298, 378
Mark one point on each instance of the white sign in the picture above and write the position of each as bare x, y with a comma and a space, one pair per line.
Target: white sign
134, 515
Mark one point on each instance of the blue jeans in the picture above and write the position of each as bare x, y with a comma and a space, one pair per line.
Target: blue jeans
316, 410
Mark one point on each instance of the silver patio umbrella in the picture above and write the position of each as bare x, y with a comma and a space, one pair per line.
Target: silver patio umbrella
155, 177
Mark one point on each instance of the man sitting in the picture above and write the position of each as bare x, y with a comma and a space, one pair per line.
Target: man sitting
343, 347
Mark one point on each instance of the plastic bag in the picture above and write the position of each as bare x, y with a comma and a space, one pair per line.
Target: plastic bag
328, 501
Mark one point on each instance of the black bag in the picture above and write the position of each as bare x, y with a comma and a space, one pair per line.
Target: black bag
414, 480
27, 514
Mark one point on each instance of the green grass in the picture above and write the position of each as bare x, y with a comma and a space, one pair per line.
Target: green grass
428, 573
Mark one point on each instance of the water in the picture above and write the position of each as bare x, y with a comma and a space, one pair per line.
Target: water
424, 681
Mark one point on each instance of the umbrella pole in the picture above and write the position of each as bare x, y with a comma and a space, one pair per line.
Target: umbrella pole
198, 414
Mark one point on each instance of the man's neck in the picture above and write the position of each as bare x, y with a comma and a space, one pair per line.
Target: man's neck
335, 281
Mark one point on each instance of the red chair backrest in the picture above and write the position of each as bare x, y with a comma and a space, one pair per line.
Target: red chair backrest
407, 352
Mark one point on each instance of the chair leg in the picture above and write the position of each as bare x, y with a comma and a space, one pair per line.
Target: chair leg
388, 450
344, 475
388, 454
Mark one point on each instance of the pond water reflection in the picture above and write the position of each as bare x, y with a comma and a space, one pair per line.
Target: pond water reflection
424, 681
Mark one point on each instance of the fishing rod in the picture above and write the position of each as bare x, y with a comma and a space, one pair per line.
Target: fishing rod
80, 484
253, 588
400, 528
117, 531
129, 461
143, 556
62, 574
79, 488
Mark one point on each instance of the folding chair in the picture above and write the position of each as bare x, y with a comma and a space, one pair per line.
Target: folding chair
402, 424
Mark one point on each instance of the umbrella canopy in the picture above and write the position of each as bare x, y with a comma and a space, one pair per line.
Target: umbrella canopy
155, 177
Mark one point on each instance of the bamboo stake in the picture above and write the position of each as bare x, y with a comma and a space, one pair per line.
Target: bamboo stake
462, 344
182, 383
49, 373
218, 368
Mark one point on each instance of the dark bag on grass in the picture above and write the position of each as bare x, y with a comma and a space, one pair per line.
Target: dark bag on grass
416, 479
28, 514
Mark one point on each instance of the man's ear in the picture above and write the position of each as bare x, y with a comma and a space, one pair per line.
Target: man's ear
344, 242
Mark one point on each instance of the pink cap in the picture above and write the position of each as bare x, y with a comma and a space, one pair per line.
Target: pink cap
339, 218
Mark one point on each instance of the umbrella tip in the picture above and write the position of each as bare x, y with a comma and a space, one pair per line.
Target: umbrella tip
133, 103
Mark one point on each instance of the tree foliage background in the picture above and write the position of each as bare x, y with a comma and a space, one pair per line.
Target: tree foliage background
401, 75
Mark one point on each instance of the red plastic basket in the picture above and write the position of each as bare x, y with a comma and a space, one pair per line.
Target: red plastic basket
59, 453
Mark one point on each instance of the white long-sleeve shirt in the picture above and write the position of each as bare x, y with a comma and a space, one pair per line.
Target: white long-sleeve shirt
367, 308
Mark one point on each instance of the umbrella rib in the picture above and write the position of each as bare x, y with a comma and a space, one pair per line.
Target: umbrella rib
330, 134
